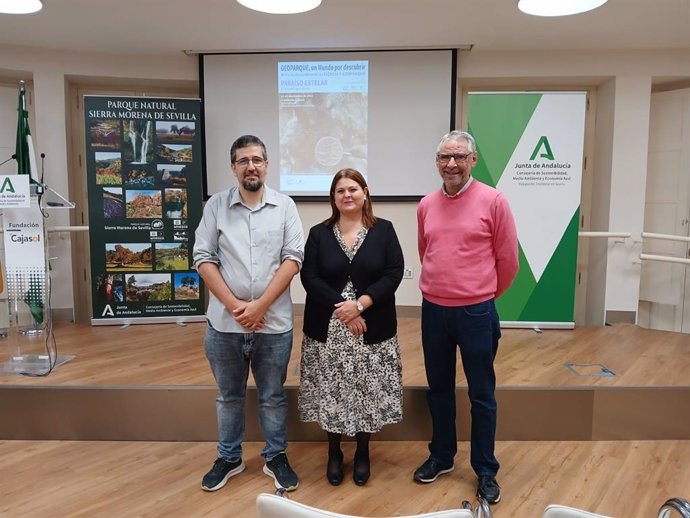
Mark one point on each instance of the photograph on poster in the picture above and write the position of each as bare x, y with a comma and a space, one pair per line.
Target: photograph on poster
172, 175
148, 286
110, 288
175, 132
175, 203
105, 134
177, 153
171, 256
139, 177
143, 203
138, 148
128, 256
186, 286
113, 203
108, 168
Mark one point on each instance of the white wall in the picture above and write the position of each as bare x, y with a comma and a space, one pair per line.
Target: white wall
628, 185
623, 80
664, 293
600, 204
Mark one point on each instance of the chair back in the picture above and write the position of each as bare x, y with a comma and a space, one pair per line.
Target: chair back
561, 511
274, 506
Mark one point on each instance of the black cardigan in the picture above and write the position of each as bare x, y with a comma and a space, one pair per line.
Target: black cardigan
376, 270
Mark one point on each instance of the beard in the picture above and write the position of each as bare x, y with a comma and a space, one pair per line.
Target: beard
252, 185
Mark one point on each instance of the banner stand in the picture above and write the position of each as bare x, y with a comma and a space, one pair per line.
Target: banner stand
26, 275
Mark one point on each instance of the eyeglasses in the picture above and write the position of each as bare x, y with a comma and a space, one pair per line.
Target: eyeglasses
244, 162
458, 157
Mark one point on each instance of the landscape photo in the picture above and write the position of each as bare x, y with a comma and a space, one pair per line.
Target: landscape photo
175, 132
108, 168
175, 205
172, 175
174, 153
142, 203
105, 134
171, 256
138, 177
110, 288
186, 286
138, 141
128, 256
148, 287
113, 203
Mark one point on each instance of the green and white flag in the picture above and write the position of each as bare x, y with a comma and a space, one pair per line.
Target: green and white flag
26, 157
531, 149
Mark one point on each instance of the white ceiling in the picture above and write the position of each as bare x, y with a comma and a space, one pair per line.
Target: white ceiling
160, 27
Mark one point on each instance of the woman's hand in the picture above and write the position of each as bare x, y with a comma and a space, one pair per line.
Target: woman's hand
357, 326
346, 311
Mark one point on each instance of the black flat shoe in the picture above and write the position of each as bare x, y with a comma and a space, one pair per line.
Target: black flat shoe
334, 468
362, 469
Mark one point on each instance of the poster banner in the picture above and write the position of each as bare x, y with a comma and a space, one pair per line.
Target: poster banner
531, 148
143, 162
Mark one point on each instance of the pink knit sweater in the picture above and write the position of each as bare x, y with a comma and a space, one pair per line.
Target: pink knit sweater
467, 246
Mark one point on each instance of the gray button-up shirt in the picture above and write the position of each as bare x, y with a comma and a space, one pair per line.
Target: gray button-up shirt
249, 245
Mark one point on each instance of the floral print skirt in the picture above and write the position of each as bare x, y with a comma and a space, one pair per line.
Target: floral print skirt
347, 386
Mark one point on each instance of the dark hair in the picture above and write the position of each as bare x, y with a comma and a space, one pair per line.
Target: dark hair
246, 141
368, 218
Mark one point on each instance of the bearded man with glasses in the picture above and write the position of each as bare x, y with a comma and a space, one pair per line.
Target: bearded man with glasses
469, 254
249, 245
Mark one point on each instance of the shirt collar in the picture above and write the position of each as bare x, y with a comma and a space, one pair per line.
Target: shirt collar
464, 188
270, 197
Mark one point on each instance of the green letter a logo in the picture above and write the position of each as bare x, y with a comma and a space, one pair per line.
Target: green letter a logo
7, 186
548, 154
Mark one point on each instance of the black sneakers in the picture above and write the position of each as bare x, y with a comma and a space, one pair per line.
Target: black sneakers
430, 471
489, 489
220, 473
282, 474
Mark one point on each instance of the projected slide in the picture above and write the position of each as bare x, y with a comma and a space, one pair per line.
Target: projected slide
323, 119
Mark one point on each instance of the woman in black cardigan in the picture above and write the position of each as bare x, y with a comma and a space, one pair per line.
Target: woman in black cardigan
351, 374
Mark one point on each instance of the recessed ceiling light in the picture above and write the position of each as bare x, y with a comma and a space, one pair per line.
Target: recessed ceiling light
20, 6
558, 7
281, 6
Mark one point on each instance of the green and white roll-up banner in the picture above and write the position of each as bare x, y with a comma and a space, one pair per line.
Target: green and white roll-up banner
143, 164
531, 148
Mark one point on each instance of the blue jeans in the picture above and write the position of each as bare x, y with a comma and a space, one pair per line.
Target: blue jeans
230, 356
476, 330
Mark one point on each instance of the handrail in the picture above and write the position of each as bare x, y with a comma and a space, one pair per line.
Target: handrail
69, 228
664, 258
603, 234
675, 504
668, 237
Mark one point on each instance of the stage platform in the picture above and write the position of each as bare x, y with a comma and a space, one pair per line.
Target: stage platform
152, 383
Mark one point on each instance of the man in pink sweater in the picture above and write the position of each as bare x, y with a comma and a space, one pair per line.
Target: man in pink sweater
469, 253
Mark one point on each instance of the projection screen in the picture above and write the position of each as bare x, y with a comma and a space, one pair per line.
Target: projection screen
380, 112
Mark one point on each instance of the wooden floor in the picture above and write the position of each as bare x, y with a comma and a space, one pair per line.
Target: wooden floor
54, 479
622, 479
168, 354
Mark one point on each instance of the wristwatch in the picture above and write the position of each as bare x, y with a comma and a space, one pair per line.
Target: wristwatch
360, 306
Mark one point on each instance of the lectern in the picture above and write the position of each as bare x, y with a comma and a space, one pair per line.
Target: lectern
26, 275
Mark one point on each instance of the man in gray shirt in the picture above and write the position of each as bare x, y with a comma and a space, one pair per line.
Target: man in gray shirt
249, 245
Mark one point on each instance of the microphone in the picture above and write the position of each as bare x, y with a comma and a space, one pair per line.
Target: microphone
43, 161
13, 157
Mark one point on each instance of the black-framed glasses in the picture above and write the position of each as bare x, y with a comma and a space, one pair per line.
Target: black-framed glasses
256, 160
458, 157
